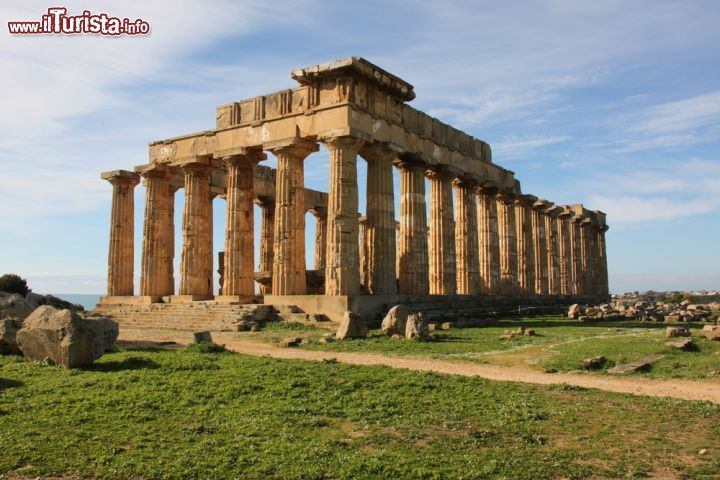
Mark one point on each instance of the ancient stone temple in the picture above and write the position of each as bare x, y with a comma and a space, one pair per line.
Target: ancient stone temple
472, 236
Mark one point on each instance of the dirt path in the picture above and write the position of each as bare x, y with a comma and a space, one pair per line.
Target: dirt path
682, 389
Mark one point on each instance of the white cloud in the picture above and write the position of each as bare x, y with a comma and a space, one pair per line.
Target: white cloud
514, 145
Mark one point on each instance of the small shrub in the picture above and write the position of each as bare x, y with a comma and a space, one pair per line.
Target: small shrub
12, 283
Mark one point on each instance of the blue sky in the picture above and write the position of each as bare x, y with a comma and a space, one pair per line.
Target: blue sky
613, 104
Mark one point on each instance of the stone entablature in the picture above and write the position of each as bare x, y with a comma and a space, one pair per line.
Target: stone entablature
492, 240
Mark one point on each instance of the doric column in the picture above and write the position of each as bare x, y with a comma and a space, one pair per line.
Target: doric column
553, 248
364, 252
577, 262
540, 246
154, 265
122, 227
267, 247
320, 240
239, 271
196, 259
289, 234
380, 238
525, 250
565, 252
586, 253
413, 245
488, 241
602, 254
441, 251
508, 243
342, 264
466, 238
169, 232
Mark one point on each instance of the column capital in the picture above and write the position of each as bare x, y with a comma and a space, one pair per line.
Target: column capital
343, 141
525, 200
487, 189
553, 211
540, 205
295, 146
437, 172
463, 182
239, 153
409, 165
265, 202
506, 196
379, 151
153, 170
121, 177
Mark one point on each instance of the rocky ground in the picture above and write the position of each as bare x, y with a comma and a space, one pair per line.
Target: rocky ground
646, 311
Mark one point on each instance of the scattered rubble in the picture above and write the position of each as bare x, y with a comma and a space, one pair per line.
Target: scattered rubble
686, 345
643, 311
594, 363
290, 342
671, 332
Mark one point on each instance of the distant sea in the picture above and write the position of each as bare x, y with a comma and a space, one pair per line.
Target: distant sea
86, 300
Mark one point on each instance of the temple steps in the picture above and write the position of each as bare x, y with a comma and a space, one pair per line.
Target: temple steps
187, 316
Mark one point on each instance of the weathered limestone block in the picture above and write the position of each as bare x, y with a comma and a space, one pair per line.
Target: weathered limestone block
395, 320
8, 334
417, 327
65, 338
677, 332
352, 325
711, 332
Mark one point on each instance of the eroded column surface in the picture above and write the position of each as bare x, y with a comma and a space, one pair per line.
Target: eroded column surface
588, 252
342, 265
413, 245
267, 247
565, 253
488, 241
508, 244
577, 262
525, 250
320, 240
196, 260
239, 271
441, 251
154, 265
380, 239
289, 234
540, 247
466, 238
121, 254
553, 248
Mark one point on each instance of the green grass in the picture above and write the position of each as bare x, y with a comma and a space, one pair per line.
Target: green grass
560, 345
189, 414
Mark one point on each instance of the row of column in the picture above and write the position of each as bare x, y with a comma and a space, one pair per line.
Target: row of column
493, 242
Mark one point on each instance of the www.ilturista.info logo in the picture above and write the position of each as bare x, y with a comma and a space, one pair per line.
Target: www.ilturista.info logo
57, 21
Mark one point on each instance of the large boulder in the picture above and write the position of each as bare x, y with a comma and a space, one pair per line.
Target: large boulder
14, 305
417, 327
352, 325
395, 320
8, 335
711, 332
574, 311
65, 338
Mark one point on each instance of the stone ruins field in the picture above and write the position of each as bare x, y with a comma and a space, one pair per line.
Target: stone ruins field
200, 411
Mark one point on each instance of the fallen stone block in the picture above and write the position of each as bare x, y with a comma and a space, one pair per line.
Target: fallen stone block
290, 342
711, 332
395, 320
594, 363
684, 345
352, 325
14, 306
671, 332
417, 327
635, 366
65, 338
202, 337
